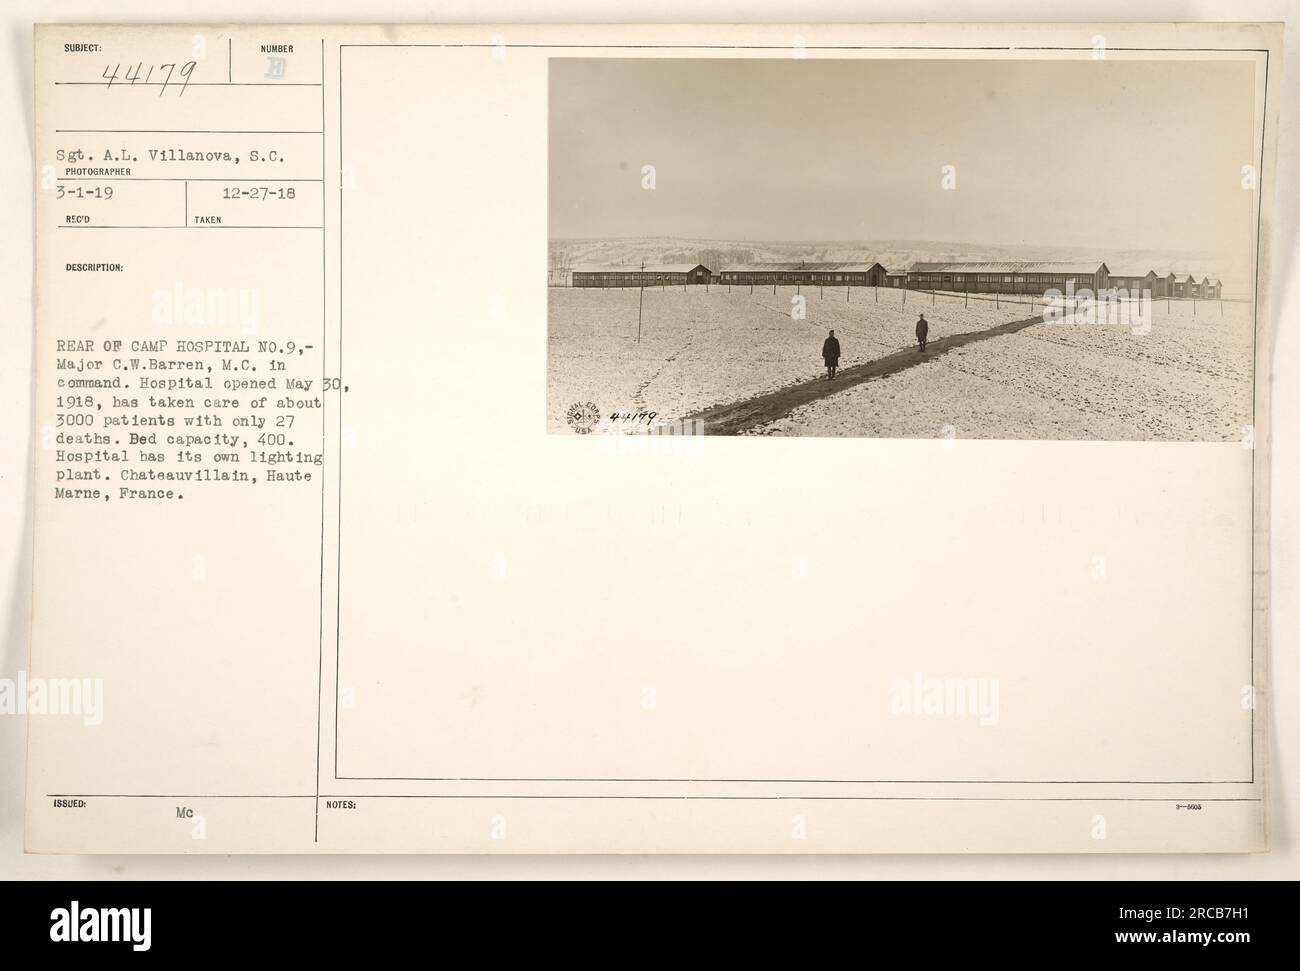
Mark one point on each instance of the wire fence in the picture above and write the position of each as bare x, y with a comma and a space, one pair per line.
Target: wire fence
919, 297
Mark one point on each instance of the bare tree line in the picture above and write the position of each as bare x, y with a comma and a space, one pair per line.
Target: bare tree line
559, 263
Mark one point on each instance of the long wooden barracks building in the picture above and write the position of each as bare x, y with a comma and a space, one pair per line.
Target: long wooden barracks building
1008, 277
826, 274
1021, 277
679, 274
650, 275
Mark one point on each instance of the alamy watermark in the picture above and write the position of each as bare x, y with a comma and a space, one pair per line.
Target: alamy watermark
75, 923
181, 305
922, 695
1113, 307
82, 697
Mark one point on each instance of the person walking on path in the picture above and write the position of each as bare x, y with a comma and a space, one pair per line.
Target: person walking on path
922, 332
831, 355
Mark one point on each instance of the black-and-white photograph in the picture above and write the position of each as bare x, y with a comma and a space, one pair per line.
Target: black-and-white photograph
1003, 247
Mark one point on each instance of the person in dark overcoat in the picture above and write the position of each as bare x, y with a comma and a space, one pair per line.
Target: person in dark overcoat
831, 355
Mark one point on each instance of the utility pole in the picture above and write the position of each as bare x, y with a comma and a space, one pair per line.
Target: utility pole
640, 303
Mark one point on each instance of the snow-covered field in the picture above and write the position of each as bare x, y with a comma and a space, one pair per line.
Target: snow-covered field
1188, 379
700, 348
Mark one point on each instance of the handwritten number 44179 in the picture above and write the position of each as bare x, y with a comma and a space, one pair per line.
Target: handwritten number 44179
167, 73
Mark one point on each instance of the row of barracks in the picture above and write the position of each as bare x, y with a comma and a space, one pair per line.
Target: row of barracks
991, 277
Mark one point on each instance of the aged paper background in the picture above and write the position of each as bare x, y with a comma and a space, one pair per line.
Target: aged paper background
1186, 574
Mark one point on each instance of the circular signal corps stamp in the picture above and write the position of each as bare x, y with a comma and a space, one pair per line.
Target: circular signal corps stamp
583, 416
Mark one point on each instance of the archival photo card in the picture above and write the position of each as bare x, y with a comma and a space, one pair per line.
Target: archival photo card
397, 388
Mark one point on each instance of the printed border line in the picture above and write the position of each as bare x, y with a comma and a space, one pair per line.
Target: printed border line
338, 460
169, 178
186, 131
826, 47
1254, 400
194, 84
646, 780
343, 795
732, 47
324, 325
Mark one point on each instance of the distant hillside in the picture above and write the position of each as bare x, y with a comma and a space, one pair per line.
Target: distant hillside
895, 254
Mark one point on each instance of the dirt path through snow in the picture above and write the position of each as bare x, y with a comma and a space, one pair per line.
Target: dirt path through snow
740, 416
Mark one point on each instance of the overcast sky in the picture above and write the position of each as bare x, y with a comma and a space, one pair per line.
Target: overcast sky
1138, 155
